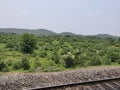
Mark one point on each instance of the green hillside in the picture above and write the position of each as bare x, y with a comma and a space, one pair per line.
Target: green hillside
67, 34
33, 31
105, 36
42, 32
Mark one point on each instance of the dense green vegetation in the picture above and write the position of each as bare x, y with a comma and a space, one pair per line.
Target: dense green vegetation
31, 53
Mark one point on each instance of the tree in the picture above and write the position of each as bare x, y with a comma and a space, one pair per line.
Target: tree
28, 43
69, 60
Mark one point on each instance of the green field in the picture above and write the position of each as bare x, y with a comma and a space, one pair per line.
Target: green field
57, 52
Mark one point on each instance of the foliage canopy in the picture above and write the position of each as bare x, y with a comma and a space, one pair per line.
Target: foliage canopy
28, 43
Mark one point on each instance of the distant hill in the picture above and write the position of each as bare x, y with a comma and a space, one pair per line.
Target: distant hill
46, 32
67, 33
32, 31
106, 36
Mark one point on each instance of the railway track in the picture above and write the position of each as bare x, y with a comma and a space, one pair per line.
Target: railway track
100, 84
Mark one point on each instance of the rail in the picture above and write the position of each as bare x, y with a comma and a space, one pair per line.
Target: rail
92, 82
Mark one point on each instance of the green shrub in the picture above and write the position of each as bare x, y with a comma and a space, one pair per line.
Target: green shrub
25, 63
9, 62
95, 61
37, 63
55, 57
17, 65
34, 54
13, 44
113, 56
81, 60
3, 66
106, 61
69, 60
43, 54
31, 70
10, 44
118, 61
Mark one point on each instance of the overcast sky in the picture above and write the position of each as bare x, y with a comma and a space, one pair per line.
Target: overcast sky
77, 16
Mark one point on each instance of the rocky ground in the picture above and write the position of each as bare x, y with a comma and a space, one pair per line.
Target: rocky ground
20, 81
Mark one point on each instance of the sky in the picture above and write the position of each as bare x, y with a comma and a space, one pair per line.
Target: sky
87, 17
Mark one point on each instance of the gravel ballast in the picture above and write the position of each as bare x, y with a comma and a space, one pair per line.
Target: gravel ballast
19, 81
